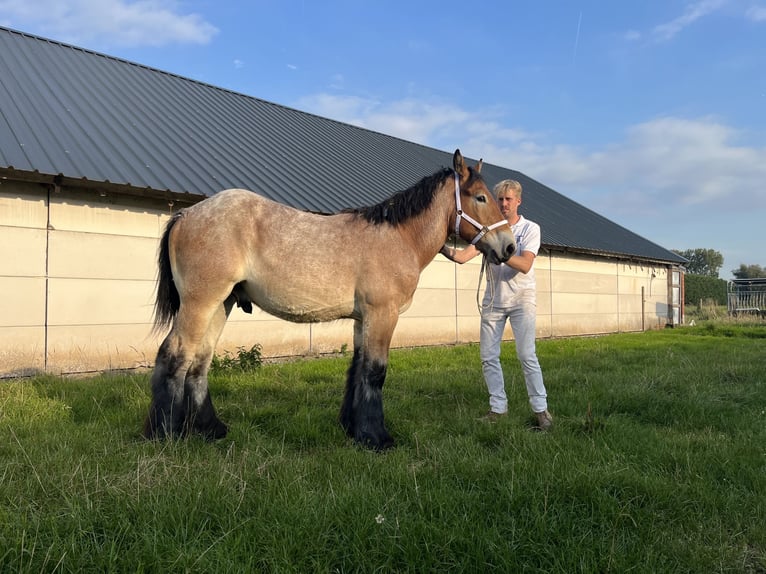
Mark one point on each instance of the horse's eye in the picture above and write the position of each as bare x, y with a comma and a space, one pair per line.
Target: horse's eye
481, 198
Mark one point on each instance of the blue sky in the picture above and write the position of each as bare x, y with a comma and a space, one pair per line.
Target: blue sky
652, 113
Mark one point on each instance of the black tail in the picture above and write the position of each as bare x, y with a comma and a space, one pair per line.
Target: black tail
167, 300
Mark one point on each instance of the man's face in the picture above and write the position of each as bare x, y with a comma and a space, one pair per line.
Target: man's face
508, 203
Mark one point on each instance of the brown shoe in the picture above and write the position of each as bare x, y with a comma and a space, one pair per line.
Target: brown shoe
544, 421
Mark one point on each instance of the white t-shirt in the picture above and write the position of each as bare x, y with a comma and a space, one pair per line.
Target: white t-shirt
504, 284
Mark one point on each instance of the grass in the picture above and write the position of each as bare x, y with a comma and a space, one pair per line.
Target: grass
656, 464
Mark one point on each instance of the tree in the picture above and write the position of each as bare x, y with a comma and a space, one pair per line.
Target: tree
699, 288
702, 261
748, 271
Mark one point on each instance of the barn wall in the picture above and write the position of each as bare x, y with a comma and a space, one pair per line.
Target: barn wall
22, 277
77, 275
576, 295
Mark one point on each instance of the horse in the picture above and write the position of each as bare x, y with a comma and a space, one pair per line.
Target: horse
240, 248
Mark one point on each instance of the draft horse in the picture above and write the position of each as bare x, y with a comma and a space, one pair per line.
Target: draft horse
239, 248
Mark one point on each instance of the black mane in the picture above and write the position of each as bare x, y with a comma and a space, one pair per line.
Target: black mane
404, 204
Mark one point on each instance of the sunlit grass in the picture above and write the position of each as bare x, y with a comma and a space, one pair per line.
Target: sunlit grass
656, 464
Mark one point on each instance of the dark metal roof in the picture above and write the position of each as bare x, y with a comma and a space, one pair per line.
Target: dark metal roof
70, 112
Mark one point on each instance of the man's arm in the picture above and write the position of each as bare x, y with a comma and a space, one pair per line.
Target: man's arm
522, 262
459, 255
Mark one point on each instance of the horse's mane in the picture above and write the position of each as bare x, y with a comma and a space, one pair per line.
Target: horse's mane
406, 203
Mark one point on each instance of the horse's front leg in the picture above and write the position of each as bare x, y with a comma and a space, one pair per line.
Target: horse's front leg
362, 409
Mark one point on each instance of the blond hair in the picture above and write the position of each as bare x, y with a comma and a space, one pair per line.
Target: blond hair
507, 185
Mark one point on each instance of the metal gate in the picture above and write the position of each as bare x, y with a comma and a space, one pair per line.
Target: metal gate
746, 296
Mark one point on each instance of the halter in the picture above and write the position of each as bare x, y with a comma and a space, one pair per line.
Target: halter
483, 229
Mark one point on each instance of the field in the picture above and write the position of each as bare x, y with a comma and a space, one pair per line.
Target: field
657, 463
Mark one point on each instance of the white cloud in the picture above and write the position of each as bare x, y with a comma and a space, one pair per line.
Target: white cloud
676, 181
429, 123
337, 82
662, 164
109, 22
757, 13
693, 12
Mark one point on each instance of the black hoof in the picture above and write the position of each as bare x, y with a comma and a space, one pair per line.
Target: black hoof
377, 442
215, 431
155, 430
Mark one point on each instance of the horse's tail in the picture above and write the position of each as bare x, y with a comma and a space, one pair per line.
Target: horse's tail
167, 300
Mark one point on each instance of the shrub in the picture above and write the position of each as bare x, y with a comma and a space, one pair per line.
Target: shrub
699, 288
245, 360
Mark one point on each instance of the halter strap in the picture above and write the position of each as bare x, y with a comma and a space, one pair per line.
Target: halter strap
483, 229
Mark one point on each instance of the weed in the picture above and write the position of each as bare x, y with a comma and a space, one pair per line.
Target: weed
244, 361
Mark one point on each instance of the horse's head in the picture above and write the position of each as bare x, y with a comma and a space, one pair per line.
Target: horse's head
478, 218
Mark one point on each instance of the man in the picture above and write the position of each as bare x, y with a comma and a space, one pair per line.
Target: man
510, 296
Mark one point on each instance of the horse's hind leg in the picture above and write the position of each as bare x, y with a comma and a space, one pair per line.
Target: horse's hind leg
200, 415
361, 413
168, 410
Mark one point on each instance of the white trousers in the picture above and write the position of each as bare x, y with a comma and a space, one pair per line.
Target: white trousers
522, 314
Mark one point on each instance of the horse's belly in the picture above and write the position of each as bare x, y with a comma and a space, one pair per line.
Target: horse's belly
306, 308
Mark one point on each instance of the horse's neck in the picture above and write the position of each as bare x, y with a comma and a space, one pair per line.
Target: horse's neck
430, 229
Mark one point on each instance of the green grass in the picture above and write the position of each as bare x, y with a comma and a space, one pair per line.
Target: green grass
657, 464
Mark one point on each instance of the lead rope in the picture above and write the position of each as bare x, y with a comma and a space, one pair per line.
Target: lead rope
490, 285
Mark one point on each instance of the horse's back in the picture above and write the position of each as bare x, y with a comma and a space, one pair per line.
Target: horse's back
227, 204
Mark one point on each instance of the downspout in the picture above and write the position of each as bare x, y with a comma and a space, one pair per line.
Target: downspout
617, 294
48, 228
643, 309
550, 290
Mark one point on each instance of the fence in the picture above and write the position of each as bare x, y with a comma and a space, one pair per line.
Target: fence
747, 296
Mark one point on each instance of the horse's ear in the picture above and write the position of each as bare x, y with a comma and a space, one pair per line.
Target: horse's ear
477, 169
459, 164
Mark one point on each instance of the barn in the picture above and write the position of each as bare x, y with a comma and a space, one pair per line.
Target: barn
97, 152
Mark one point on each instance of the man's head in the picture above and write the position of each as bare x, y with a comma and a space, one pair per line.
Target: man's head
508, 196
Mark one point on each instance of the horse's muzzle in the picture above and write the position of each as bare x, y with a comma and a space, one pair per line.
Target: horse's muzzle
499, 254
510, 249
